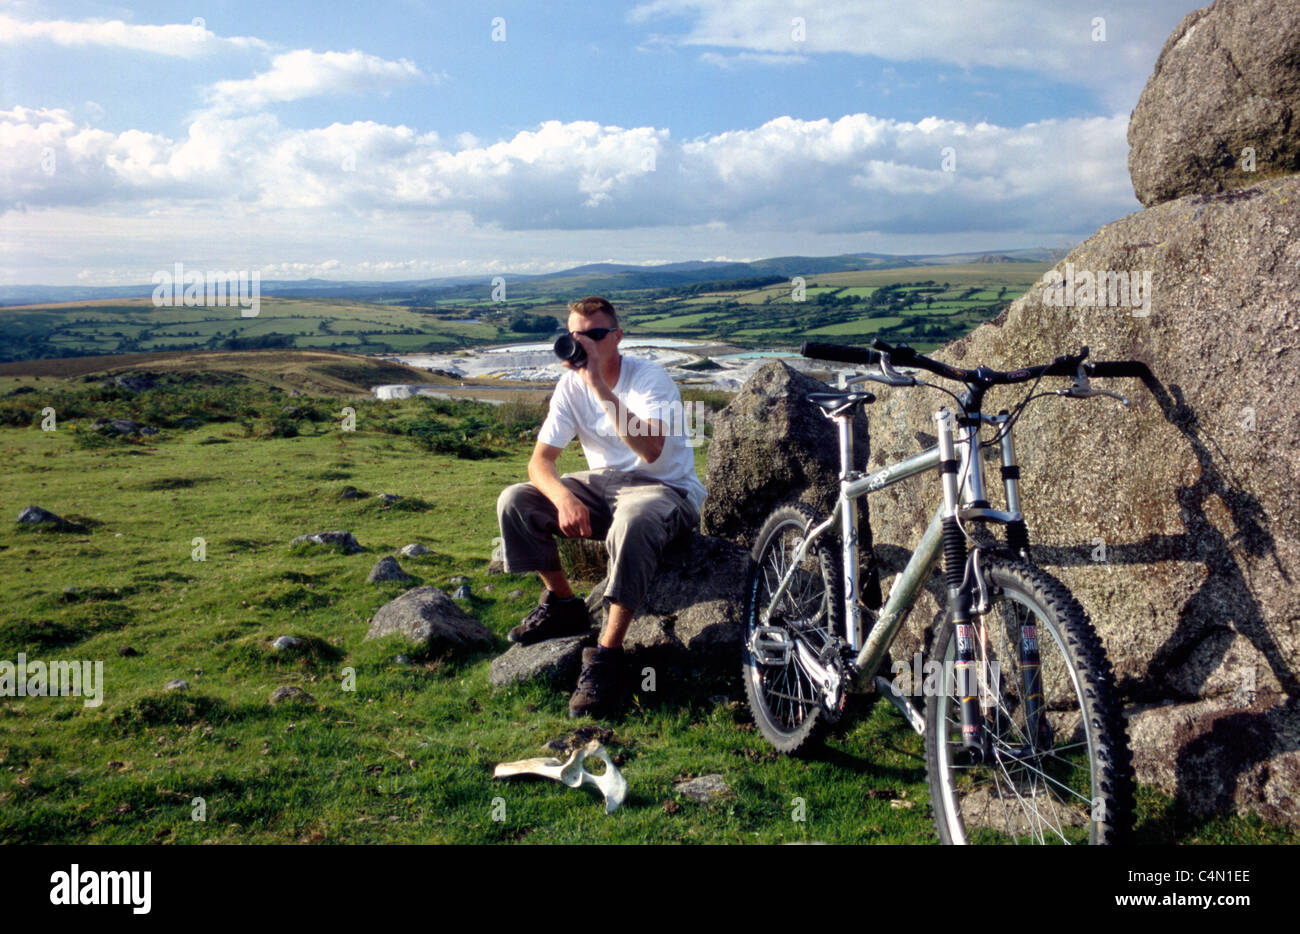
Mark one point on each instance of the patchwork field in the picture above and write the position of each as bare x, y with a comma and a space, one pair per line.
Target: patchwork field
924, 305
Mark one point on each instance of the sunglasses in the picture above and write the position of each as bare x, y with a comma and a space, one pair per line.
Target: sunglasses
596, 334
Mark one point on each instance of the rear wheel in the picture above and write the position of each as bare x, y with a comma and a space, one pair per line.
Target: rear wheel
1062, 775
784, 691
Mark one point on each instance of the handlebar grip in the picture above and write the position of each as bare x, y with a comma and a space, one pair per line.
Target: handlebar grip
839, 353
1108, 368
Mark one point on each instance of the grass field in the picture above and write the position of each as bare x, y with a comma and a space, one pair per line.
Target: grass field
407, 755
136, 325
306, 371
842, 304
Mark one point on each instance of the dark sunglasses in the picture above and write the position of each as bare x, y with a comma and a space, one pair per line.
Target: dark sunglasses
596, 334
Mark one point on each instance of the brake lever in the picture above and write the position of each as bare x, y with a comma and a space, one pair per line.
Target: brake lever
892, 376
1081, 388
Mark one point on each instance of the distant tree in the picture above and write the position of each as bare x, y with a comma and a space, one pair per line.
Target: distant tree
532, 324
260, 342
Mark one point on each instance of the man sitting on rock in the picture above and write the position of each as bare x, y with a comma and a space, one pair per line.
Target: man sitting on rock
640, 493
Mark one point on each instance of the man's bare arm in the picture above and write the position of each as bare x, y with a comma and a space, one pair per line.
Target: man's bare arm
646, 438
574, 517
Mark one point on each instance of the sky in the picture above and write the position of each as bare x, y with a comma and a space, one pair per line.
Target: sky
410, 139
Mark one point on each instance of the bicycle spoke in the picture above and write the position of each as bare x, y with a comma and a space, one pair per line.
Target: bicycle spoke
1027, 793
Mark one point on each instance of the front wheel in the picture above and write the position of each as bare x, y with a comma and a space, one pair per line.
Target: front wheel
785, 659
1056, 769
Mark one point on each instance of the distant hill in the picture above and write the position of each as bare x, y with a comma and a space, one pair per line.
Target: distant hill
591, 277
319, 372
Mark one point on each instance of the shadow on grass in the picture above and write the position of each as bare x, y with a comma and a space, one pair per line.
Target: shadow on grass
71, 524
171, 708
258, 654
78, 625
187, 708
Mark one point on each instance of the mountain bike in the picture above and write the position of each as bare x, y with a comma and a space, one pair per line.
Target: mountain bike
1024, 738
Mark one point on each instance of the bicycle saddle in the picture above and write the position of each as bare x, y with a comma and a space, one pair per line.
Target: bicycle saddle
830, 401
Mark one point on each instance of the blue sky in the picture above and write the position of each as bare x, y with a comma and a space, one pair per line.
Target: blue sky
414, 139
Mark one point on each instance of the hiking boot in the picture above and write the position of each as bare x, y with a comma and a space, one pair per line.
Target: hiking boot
551, 618
600, 685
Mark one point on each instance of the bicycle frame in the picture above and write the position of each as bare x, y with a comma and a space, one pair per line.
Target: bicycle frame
963, 500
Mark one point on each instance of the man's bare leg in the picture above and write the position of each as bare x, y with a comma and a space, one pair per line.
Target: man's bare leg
620, 617
615, 626
556, 583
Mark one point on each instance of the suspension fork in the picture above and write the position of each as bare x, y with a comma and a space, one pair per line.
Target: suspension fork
1017, 534
1031, 676
973, 737
1031, 687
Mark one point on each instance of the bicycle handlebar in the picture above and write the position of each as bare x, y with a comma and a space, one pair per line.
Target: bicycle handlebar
839, 353
903, 355
1112, 368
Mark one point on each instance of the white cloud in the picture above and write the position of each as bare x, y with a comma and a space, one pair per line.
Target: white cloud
304, 73
750, 58
47, 158
855, 174
1056, 39
184, 41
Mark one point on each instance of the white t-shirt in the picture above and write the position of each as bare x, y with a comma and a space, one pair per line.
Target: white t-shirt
647, 391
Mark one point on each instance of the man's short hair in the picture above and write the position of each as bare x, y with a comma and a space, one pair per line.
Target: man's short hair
594, 305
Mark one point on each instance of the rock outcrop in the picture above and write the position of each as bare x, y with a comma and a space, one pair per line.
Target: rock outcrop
770, 445
122, 426
427, 616
690, 617
1232, 752
339, 539
1221, 109
388, 569
36, 516
1175, 522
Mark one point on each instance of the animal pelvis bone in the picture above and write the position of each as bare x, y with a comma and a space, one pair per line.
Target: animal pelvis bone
611, 782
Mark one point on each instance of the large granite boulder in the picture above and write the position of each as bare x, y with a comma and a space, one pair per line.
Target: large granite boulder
427, 616
1175, 521
1227, 81
771, 445
1234, 753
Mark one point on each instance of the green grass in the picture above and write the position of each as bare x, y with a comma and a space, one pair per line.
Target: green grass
677, 321
407, 755
858, 326
137, 326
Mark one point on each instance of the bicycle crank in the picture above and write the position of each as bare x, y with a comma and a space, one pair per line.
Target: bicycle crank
827, 676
